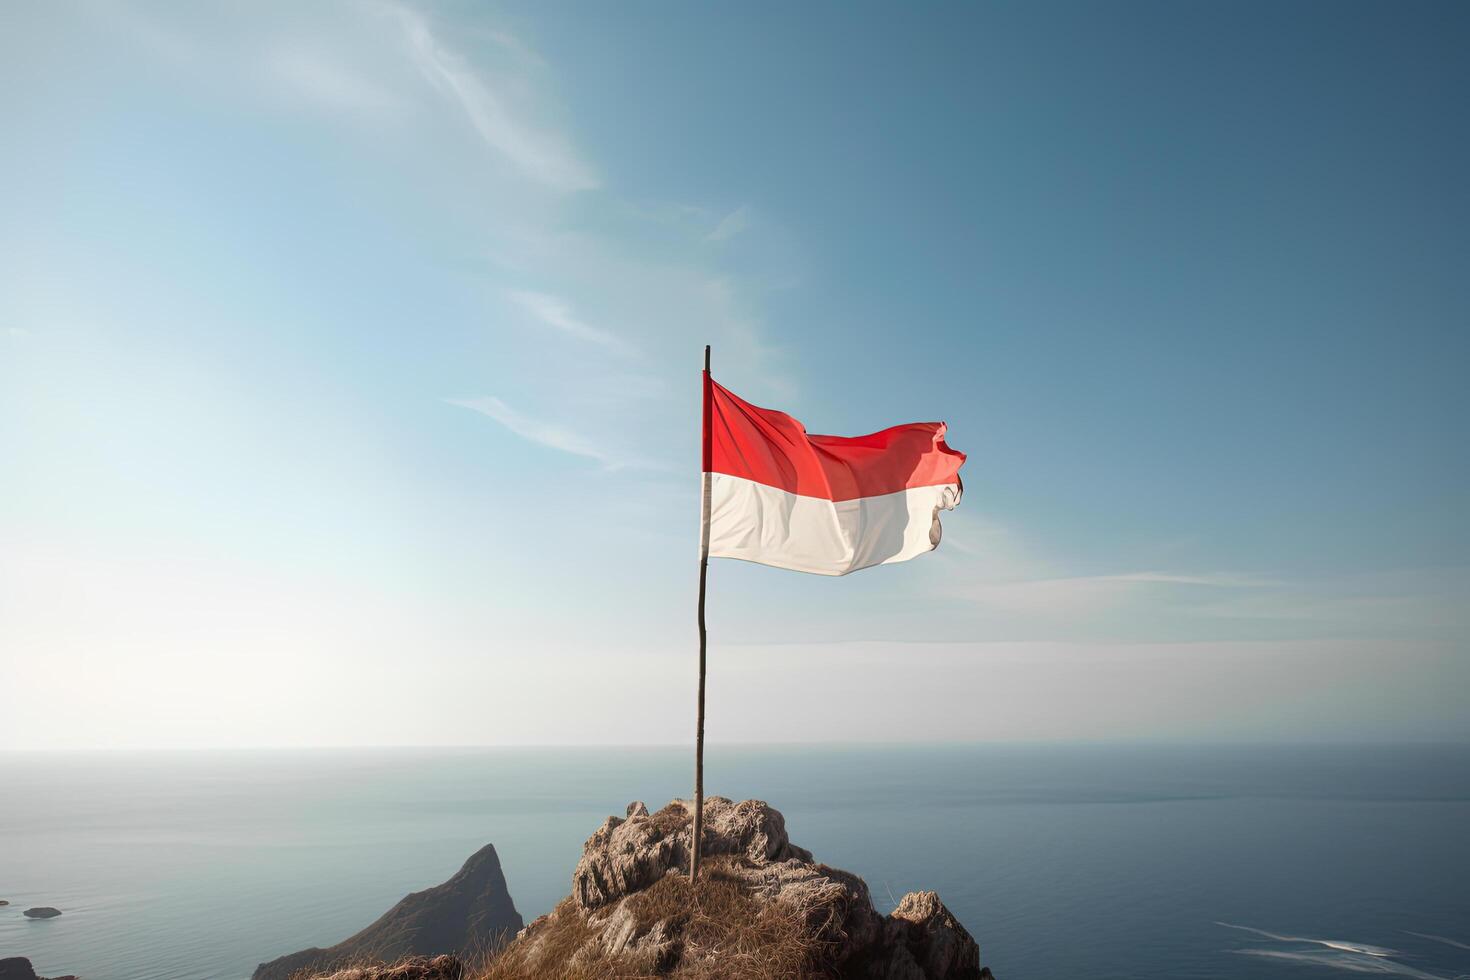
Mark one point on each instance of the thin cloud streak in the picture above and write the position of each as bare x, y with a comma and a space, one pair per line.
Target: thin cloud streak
1008, 585
550, 434
1094, 592
1216, 580
556, 313
313, 75
534, 430
730, 225
539, 153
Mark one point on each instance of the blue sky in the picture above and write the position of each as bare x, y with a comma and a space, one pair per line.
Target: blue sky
349, 353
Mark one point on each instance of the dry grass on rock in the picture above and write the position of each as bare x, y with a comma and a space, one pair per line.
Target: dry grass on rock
715, 930
408, 968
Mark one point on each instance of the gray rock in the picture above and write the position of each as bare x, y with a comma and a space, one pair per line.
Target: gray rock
938, 943
41, 912
19, 968
626, 855
608, 926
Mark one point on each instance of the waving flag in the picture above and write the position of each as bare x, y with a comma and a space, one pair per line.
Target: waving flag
822, 504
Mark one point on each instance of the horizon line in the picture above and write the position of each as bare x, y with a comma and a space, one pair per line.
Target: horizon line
1182, 743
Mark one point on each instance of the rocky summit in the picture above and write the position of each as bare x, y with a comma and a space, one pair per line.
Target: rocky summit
763, 908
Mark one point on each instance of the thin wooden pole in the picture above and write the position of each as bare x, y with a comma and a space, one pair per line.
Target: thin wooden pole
703, 570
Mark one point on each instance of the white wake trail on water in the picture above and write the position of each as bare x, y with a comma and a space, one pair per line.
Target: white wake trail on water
1439, 939
1337, 944
1351, 962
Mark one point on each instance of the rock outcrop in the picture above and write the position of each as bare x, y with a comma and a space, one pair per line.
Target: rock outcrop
763, 908
471, 913
41, 912
19, 968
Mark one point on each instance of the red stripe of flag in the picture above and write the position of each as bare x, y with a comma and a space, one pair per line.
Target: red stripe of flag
774, 449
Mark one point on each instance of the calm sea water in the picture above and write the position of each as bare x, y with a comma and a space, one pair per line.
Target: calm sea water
1064, 862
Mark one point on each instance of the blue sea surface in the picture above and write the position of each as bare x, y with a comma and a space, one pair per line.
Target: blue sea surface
1064, 861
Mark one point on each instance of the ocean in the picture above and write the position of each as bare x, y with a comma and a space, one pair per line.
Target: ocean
1284, 862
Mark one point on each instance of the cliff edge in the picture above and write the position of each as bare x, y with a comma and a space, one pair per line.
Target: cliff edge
468, 915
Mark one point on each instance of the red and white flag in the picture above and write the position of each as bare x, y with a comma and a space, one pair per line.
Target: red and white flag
823, 504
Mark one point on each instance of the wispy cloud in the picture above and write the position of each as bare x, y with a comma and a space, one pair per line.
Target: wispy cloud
514, 45
550, 434
539, 152
1087, 593
1216, 580
1016, 588
543, 433
315, 76
1413, 600
556, 313
730, 225
620, 285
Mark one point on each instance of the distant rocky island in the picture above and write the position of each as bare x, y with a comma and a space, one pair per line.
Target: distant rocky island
468, 915
763, 908
41, 912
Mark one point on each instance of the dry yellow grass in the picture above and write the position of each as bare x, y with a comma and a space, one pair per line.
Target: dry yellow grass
718, 930
408, 968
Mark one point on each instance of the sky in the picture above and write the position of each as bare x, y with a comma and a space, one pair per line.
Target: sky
349, 360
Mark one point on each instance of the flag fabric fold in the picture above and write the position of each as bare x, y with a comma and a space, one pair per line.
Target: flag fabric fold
828, 505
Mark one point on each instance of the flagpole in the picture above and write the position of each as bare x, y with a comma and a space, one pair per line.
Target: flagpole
698, 838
